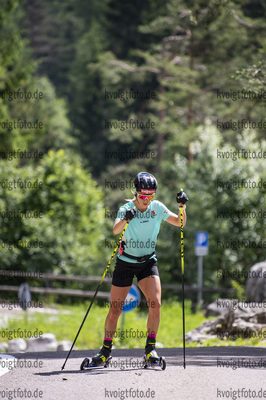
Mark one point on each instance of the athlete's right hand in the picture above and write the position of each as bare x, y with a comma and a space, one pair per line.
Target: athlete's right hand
130, 214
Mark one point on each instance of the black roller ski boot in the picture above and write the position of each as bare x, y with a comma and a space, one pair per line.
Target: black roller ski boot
151, 358
101, 359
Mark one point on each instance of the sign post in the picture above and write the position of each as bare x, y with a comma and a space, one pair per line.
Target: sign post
132, 301
24, 297
201, 249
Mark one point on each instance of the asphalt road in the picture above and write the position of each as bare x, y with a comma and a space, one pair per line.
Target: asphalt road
211, 373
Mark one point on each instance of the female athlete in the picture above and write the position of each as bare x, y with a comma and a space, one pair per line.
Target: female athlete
137, 258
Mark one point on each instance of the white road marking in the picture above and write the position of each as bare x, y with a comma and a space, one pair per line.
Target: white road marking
6, 363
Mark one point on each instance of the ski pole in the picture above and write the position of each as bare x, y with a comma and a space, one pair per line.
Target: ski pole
95, 294
182, 270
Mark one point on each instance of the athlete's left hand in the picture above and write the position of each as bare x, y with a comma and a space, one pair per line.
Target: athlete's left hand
181, 198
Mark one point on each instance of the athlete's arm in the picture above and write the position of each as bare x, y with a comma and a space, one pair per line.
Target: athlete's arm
119, 226
120, 223
174, 219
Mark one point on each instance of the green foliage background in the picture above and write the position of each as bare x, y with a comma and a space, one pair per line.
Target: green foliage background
186, 53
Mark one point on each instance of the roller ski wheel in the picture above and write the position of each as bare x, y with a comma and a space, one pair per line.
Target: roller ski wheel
86, 364
154, 362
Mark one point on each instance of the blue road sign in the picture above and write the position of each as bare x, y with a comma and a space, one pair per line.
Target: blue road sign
132, 300
201, 243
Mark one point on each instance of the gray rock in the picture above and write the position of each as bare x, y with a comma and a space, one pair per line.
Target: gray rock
16, 346
65, 345
239, 321
256, 282
219, 307
3, 347
242, 309
46, 342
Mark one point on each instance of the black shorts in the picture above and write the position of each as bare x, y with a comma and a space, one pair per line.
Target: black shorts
124, 272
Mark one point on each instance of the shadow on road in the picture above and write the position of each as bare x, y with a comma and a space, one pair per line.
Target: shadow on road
130, 359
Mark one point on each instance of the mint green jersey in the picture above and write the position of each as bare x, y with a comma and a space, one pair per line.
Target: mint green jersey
142, 231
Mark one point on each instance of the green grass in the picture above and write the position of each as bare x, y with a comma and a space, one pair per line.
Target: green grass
66, 323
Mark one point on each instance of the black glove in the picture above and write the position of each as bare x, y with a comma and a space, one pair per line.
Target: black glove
181, 197
130, 214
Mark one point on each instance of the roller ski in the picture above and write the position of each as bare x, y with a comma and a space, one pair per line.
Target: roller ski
100, 360
151, 358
